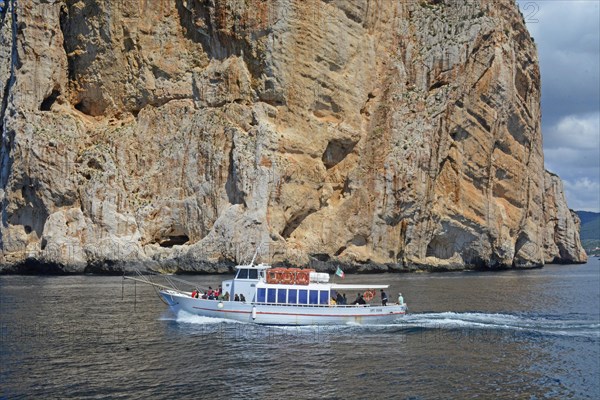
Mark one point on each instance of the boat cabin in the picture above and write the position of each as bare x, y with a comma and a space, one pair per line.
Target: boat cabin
284, 294
263, 284
245, 280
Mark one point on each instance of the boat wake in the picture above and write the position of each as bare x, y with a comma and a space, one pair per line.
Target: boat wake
444, 321
534, 324
188, 318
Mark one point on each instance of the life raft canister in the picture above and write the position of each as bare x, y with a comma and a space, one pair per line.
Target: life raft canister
302, 277
279, 275
288, 277
272, 276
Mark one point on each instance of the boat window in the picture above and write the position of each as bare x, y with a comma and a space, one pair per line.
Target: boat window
302, 296
281, 295
324, 297
242, 274
253, 274
271, 295
314, 297
261, 295
292, 294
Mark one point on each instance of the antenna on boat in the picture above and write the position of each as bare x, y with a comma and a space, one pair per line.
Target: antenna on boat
255, 254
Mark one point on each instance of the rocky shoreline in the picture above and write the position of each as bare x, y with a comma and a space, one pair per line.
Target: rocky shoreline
35, 267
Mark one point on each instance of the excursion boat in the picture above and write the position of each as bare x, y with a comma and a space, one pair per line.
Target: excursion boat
285, 296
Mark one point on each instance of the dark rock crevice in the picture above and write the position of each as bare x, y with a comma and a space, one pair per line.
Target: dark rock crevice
49, 100
234, 194
177, 240
336, 151
6, 160
295, 222
223, 31
14, 62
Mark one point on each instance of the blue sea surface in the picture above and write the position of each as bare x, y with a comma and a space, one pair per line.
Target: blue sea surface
514, 334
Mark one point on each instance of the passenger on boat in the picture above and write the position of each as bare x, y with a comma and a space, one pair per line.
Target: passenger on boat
236, 297
211, 293
345, 299
226, 296
194, 293
220, 290
359, 299
242, 297
339, 299
384, 298
197, 294
400, 299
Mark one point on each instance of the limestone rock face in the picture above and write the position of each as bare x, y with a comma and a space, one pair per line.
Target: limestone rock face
561, 243
179, 135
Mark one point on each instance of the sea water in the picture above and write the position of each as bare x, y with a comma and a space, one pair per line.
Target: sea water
511, 334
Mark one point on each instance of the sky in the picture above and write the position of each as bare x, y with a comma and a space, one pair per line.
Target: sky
567, 34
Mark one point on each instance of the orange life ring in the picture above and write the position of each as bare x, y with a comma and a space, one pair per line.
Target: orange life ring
368, 295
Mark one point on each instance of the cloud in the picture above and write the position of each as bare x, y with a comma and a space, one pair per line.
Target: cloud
572, 150
568, 42
575, 132
584, 194
567, 35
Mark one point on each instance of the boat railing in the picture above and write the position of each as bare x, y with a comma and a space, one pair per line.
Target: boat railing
262, 303
315, 305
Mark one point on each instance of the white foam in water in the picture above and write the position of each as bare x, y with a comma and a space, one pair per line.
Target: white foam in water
188, 318
452, 320
446, 320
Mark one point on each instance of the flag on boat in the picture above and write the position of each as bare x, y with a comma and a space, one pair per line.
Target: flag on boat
340, 273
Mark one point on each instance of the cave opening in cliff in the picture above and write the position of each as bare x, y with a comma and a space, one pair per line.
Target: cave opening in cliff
49, 101
81, 107
440, 247
171, 241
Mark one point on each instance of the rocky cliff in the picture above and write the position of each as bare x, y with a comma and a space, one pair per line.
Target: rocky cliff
179, 134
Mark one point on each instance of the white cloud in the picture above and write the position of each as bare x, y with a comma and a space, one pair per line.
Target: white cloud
575, 132
583, 194
567, 34
572, 150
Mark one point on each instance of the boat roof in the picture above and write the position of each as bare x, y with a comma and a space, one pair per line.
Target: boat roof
359, 287
253, 266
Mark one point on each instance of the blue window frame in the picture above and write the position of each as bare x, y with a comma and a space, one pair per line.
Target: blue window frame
313, 297
281, 295
324, 297
302, 296
271, 295
261, 295
292, 296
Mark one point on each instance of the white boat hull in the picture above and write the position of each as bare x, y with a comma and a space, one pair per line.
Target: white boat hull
283, 314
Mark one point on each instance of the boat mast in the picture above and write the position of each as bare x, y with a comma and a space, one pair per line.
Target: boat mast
255, 254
